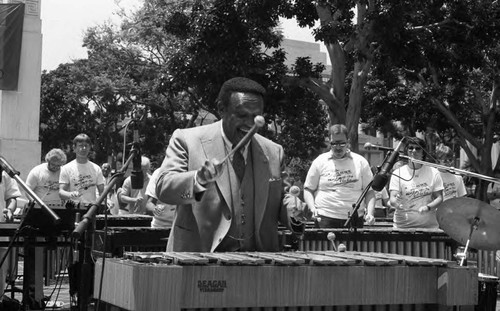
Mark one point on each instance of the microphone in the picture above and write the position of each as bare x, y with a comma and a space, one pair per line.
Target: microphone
331, 237
136, 177
380, 180
369, 146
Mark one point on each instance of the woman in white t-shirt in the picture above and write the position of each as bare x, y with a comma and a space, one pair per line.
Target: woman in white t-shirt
415, 190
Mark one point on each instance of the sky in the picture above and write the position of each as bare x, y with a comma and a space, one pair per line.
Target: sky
64, 23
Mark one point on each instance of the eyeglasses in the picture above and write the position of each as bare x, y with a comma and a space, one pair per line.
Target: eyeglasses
54, 165
416, 148
338, 144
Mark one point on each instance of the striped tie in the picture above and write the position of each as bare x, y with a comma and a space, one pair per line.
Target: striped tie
239, 165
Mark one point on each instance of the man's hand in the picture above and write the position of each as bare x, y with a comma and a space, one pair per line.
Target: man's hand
423, 209
369, 219
9, 216
158, 210
209, 172
75, 194
138, 201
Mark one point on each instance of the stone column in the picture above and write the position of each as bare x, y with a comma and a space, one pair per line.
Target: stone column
20, 110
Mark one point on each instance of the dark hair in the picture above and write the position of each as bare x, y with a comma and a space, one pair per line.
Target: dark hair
238, 84
82, 138
419, 142
339, 129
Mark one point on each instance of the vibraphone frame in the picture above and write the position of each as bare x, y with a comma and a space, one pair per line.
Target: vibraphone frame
342, 279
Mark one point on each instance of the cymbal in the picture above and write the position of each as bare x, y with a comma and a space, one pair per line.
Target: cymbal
456, 217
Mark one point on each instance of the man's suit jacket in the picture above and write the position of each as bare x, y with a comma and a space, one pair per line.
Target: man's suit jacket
203, 219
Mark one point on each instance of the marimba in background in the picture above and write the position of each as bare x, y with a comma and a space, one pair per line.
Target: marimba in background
430, 243
129, 239
321, 280
131, 220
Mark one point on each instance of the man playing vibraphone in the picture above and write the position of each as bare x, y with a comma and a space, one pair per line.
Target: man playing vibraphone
225, 206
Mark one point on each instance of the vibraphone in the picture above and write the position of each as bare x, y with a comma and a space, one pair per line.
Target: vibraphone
431, 243
123, 239
297, 280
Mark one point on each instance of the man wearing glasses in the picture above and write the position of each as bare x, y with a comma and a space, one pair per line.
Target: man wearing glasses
43, 179
334, 183
415, 190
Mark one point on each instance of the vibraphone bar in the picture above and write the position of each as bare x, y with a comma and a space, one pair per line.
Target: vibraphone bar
290, 280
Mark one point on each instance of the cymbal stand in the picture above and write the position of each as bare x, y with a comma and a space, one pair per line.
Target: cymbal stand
473, 227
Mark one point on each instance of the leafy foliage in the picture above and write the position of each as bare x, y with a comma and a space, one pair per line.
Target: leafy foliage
163, 68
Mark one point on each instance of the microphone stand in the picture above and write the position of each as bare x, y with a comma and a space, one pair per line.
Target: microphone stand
353, 227
355, 206
86, 224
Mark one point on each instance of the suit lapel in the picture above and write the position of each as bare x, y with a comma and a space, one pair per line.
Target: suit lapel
214, 148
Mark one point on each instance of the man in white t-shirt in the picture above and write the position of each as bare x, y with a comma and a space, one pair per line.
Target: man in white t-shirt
335, 181
43, 179
80, 178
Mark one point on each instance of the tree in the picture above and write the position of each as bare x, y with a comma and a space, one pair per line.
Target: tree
62, 114
445, 57
167, 61
350, 40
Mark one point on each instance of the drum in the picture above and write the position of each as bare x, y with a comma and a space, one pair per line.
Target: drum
487, 298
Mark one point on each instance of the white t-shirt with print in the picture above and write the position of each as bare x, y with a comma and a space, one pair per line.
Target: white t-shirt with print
338, 183
415, 188
45, 184
453, 186
83, 178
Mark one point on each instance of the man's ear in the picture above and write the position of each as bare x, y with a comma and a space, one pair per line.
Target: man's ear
220, 107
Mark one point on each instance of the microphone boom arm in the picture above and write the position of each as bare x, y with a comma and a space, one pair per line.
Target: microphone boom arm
452, 169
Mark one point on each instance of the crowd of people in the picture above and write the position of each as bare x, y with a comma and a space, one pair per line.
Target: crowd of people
216, 198
223, 187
